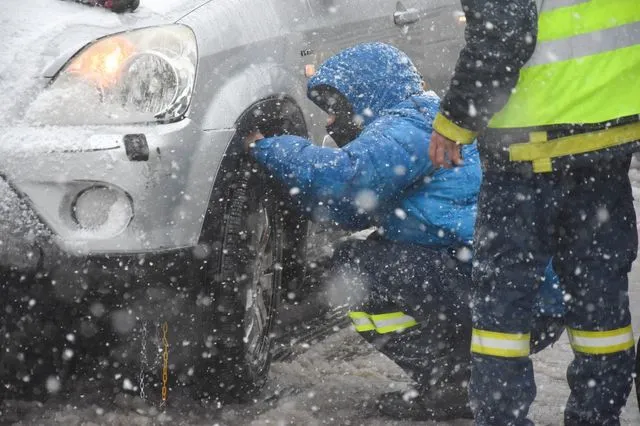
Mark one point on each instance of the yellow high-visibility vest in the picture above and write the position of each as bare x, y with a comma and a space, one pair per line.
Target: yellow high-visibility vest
585, 68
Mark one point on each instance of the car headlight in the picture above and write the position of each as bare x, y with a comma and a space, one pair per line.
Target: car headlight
132, 77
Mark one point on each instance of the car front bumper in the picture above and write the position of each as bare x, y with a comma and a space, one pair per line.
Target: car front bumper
45, 170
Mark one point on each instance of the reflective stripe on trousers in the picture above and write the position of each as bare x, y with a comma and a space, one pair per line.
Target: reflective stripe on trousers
381, 323
601, 342
507, 345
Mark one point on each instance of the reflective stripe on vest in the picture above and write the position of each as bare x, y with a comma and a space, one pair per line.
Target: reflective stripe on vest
601, 342
584, 68
556, 4
381, 323
506, 345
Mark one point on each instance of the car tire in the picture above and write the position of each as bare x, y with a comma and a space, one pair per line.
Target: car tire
246, 269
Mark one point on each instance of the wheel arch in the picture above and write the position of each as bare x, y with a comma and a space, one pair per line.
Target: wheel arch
252, 86
272, 114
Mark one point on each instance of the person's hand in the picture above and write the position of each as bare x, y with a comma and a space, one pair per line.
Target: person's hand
444, 152
251, 139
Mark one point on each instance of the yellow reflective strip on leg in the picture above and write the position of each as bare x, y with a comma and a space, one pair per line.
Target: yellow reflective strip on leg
601, 342
364, 327
361, 321
607, 333
407, 323
501, 336
381, 323
603, 350
504, 353
387, 316
507, 345
393, 321
362, 324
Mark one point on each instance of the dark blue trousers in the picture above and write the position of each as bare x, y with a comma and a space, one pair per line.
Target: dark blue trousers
584, 218
432, 286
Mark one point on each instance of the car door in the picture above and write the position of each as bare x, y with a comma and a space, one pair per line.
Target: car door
344, 23
338, 24
431, 32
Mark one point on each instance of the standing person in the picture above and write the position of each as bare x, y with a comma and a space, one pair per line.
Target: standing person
550, 89
408, 284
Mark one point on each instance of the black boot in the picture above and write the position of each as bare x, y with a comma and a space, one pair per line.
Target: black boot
444, 398
439, 406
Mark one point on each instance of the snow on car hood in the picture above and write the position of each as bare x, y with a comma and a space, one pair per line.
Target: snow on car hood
39, 36
174, 7
87, 24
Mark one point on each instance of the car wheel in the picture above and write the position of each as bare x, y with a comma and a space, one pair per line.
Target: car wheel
246, 270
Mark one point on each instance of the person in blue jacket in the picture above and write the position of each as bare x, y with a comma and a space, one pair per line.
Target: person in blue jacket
409, 281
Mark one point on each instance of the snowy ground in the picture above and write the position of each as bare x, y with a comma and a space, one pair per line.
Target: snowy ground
332, 382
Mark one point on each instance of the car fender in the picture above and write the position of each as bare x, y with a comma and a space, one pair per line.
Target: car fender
240, 92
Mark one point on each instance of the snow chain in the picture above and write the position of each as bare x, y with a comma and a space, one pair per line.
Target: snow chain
165, 364
143, 359
144, 363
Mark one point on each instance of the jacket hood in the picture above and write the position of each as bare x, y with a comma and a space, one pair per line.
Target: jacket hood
372, 76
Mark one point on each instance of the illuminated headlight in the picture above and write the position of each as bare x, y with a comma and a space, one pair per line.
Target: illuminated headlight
460, 17
102, 210
139, 76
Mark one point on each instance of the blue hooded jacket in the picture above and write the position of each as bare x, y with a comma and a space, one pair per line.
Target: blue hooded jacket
384, 177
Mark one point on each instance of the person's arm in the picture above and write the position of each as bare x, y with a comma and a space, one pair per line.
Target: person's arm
500, 37
316, 177
375, 167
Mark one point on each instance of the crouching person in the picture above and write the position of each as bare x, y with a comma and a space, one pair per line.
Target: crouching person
409, 282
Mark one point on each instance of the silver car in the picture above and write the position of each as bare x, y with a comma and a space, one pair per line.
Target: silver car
126, 188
